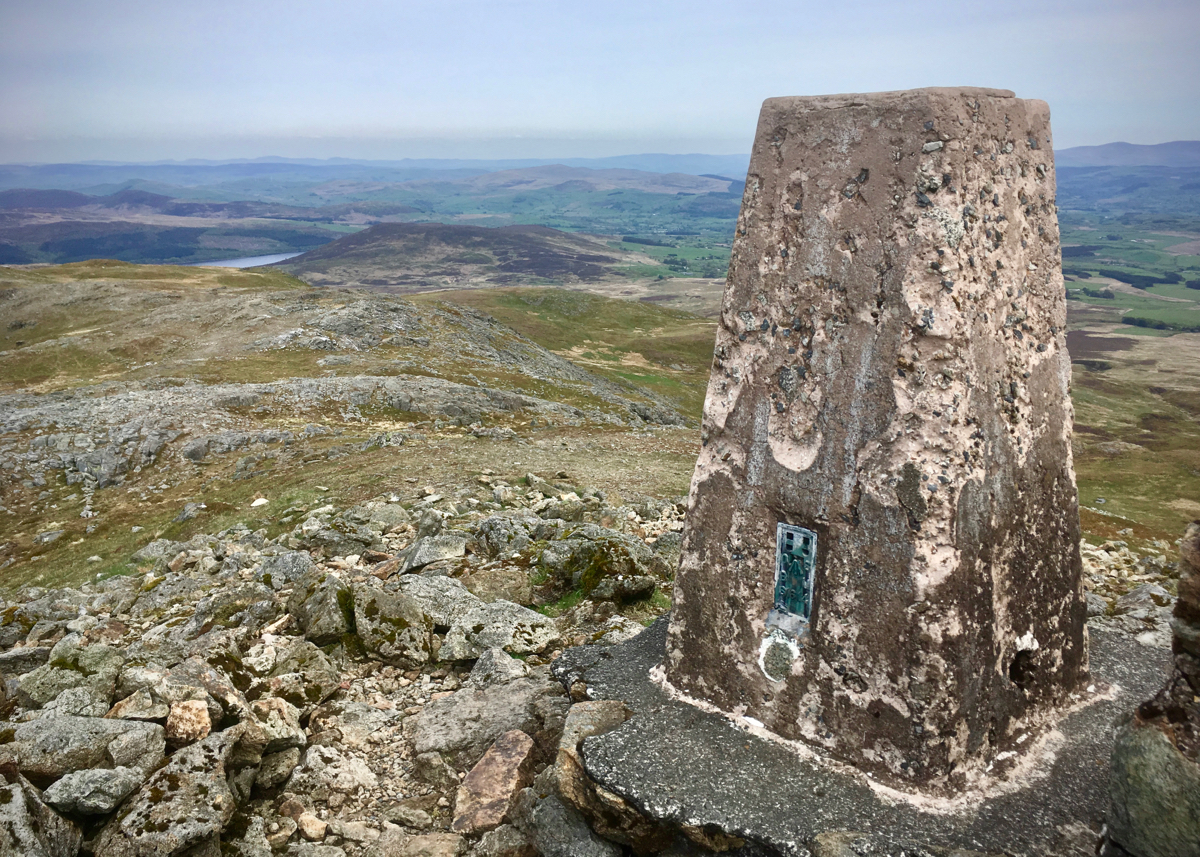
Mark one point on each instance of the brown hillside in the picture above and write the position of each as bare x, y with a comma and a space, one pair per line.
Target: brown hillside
423, 256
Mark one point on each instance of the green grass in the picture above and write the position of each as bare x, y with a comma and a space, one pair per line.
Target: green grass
665, 350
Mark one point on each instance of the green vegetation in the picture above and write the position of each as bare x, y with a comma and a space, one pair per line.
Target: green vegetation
660, 349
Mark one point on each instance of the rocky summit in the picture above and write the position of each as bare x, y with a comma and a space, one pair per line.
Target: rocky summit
366, 683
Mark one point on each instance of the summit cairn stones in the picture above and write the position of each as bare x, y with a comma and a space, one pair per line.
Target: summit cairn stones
881, 554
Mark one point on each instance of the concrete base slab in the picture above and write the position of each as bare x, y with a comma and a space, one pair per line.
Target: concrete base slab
680, 764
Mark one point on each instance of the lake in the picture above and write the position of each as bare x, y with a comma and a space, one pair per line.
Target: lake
244, 262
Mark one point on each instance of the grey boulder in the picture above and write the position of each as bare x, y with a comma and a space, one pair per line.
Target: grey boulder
93, 792
464, 725
29, 828
323, 606
433, 549
1155, 794
73, 663
284, 569
47, 749
499, 625
442, 599
392, 626
181, 809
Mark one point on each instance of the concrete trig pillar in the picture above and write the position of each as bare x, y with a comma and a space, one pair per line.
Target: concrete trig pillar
881, 555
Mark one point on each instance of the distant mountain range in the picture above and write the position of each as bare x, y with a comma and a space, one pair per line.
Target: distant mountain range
1181, 153
106, 177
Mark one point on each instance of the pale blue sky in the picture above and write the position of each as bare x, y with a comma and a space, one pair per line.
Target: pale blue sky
137, 80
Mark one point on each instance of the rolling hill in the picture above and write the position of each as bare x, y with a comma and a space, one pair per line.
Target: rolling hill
424, 256
1181, 153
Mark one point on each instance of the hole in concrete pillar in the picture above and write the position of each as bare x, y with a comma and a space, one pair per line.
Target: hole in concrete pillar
1022, 668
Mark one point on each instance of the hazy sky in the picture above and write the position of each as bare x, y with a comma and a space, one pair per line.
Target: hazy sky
151, 79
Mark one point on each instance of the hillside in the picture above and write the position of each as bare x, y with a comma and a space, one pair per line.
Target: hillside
131, 394
1181, 153
421, 256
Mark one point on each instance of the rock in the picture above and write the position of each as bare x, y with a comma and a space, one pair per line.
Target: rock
501, 536
434, 548
432, 768
329, 768
182, 809
624, 590
430, 523
140, 705
247, 606
195, 450
17, 662
608, 814
79, 701
559, 831
280, 722
387, 515
158, 550
392, 626
487, 793
160, 594
1147, 599
284, 569
507, 583
1096, 606
442, 599
311, 828
93, 792
29, 828
302, 675
1155, 779
194, 679
309, 849
47, 749
352, 722
433, 845
590, 554
323, 606
354, 831
465, 724
502, 625
246, 837
566, 508
188, 722
73, 663
408, 816
278, 839
504, 841
189, 512
584, 719
1155, 794
495, 666
276, 768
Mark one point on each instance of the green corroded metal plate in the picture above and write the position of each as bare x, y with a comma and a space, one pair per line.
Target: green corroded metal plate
795, 561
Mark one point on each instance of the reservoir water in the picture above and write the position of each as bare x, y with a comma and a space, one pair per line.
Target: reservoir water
244, 262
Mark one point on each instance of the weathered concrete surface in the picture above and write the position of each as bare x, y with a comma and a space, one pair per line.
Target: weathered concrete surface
679, 764
891, 373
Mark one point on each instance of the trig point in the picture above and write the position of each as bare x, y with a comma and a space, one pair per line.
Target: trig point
881, 553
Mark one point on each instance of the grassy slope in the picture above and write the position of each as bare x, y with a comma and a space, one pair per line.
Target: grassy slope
142, 323
1138, 439
664, 350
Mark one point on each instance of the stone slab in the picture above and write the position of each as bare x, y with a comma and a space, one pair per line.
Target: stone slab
678, 763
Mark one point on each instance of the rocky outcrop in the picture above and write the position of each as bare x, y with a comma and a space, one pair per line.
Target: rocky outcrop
1155, 782
250, 696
